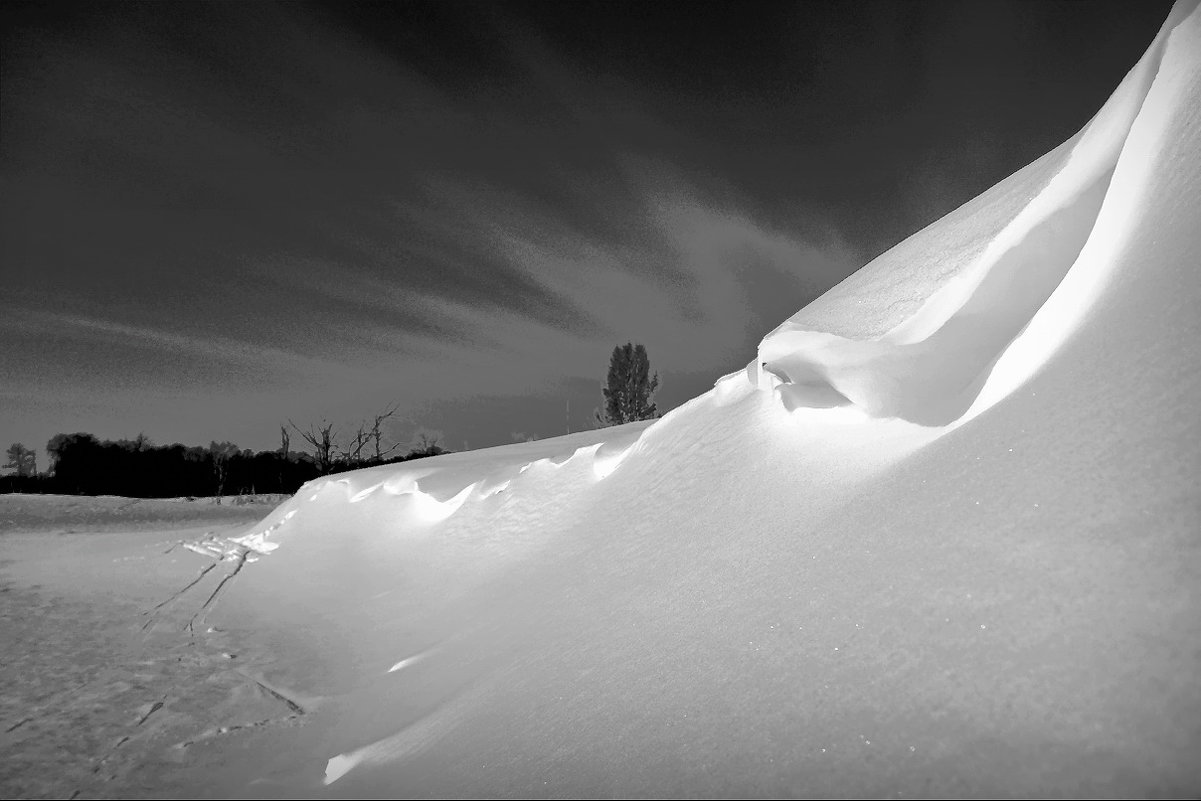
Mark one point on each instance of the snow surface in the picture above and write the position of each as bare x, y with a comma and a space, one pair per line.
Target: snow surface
941, 537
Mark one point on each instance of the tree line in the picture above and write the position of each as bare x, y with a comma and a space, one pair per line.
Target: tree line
82, 464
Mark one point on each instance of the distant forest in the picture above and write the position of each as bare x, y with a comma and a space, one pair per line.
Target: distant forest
82, 464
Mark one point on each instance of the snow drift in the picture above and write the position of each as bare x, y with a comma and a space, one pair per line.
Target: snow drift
939, 538
981, 287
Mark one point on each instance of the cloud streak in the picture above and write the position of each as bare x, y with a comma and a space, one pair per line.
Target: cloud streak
217, 216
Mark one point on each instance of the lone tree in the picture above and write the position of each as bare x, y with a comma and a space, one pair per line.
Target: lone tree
629, 388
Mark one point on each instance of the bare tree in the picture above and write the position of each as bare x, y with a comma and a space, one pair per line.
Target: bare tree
367, 439
321, 440
285, 444
427, 445
377, 435
352, 454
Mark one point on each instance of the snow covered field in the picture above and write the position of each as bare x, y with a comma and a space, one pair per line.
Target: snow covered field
941, 537
68, 514
92, 699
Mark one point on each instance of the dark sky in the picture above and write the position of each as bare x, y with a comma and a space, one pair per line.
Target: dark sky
215, 217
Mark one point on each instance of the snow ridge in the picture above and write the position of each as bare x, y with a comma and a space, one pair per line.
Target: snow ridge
929, 368
438, 487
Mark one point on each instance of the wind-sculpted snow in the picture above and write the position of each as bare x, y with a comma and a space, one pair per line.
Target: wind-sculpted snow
918, 548
432, 489
982, 283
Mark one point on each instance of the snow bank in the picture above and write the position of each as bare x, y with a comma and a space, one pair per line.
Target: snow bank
992, 279
943, 541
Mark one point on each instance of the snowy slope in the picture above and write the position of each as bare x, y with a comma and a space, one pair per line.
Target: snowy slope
942, 537
975, 279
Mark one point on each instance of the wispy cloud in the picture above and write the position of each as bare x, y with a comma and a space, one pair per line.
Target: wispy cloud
685, 275
320, 227
230, 351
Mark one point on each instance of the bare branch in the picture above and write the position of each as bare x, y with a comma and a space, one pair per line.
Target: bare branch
376, 433
353, 452
321, 439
